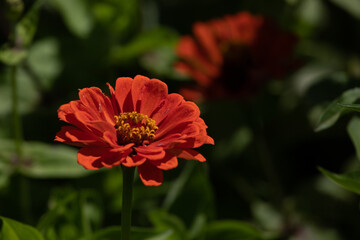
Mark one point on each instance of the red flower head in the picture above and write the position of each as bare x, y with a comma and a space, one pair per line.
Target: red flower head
233, 55
139, 125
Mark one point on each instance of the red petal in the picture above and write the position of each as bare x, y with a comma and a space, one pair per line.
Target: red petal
171, 102
153, 92
76, 137
190, 52
133, 161
169, 162
186, 112
123, 94
150, 175
206, 38
98, 104
149, 152
114, 102
137, 91
189, 154
96, 157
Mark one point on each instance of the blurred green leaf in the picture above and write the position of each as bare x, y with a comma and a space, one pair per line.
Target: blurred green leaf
42, 160
164, 221
143, 43
350, 181
76, 16
120, 17
160, 61
58, 207
350, 107
178, 185
353, 129
5, 174
240, 139
351, 6
51, 161
310, 74
13, 230
335, 110
43, 61
26, 28
192, 188
114, 232
198, 226
28, 95
72, 214
312, 11
11, 56
230, 230
269, 218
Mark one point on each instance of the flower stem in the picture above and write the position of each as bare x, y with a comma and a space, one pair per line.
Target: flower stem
15, 109
128, 178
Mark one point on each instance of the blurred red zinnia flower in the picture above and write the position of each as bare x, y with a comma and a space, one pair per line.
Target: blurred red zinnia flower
233, 55
140, 124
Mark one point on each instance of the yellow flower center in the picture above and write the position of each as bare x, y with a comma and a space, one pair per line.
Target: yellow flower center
133, 127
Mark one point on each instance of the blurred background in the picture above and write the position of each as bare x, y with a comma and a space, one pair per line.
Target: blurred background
264, 104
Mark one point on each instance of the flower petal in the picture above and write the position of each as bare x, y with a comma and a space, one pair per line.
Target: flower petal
171, 102
185, 113
74, 136
133, 161
153, 92
149, 152
150, 175
114, 102
206, 38
123, 94
168, 162
137, 91
96, 157
189, 154
98, 104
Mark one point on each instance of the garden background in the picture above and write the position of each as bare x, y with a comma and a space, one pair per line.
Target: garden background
265, 176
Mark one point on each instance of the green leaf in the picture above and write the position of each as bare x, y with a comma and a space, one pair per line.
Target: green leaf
114, 232
26, 28
235, 145
351, 6
230, 230
353, 129
192, 188
164, 221
72, 214
51, 161
335, 110
160, 61
143, 43
350, 107
76, 16
11, 56
28, 95
13, 230
42, 160
178, 185
350, 181
43, 61
267, 216
120, 17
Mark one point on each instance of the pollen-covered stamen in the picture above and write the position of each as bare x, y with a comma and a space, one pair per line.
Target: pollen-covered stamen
133, 127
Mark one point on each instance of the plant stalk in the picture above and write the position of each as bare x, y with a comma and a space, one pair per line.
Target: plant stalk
16, 117
128, 178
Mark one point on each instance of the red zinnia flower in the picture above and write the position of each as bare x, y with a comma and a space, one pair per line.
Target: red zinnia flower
139, 125
233, 55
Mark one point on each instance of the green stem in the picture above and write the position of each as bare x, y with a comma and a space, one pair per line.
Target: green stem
128, 178
15, 109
